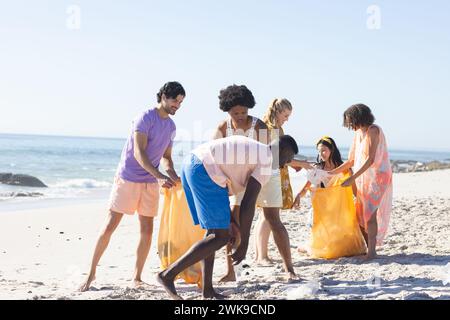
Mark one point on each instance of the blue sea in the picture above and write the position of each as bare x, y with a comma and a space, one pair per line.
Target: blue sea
84, 168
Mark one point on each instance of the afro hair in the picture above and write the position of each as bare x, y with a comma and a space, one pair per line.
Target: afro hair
235, 95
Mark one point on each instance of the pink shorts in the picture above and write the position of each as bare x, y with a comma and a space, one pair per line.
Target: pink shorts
130, 197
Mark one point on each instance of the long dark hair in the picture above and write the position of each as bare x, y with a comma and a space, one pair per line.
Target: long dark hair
335, 155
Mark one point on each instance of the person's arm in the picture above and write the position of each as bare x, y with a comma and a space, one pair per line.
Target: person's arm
140, 145
373, 136
234, 227
342, 168
235, 233
246, 217
167, 163
299, 164
301, 194
354, 187
235, 217
220, 131
305, 189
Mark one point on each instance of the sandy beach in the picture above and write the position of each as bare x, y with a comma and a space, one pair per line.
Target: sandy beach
45, 254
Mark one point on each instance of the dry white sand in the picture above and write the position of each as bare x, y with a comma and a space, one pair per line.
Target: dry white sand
44, 254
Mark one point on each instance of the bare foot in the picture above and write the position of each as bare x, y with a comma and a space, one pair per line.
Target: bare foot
229, 277
292, 277
370, 256
303, 249
211, 294
138, 284
168, 286
264, 261
85, 286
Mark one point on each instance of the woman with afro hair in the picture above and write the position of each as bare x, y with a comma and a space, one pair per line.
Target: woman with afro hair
236, 100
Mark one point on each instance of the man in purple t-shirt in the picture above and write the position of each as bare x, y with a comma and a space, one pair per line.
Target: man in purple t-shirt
138, 179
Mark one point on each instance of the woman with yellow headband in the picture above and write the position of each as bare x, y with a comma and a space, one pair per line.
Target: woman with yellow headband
328, 158
334, 227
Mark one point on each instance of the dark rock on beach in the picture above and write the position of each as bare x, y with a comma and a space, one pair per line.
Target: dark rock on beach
399, 166
415, 166
21, 194
23, 180
27, 194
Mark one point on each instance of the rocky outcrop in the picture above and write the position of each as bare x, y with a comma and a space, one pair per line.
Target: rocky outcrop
414, 166
23, 180
20, 194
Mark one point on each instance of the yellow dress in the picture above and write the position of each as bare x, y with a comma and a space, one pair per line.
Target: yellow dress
286, 189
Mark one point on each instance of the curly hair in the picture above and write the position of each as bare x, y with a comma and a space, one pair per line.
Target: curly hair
275, 107
235, 95
171, 90
358, 115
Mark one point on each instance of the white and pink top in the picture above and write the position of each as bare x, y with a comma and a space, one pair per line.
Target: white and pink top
231, 161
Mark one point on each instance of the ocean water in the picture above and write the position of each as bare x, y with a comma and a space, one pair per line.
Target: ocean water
84, 168
71, 167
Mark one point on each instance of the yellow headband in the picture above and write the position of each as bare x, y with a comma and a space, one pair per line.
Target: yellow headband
325, 138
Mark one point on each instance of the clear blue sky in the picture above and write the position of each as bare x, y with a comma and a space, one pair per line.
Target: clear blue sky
318, 54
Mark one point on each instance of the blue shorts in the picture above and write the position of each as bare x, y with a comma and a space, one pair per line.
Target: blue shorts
208, 202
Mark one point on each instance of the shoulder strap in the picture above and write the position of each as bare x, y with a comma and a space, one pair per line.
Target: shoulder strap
254, 120
251, 131
229, 131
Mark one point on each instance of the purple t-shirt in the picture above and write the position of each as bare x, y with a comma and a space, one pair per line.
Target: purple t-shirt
160, 133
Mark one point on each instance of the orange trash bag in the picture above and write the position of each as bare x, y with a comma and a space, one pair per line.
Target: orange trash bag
335, 229
177, 233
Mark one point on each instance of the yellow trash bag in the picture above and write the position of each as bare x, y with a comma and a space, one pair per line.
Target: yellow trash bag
177, 233
335, 231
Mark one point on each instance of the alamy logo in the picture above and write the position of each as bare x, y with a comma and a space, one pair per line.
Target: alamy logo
374, 20
374, 282
73, 21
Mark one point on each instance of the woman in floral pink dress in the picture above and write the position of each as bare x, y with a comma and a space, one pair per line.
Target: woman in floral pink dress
372, 175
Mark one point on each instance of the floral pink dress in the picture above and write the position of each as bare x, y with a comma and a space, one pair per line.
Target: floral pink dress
374, 185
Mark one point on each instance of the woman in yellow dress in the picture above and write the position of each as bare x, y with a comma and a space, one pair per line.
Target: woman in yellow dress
276, 195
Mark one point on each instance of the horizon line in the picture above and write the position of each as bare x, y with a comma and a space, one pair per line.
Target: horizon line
423, 149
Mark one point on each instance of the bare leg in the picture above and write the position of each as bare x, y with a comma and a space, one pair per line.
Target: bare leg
214, 240
262, 233
112, 222
207, 273
364, 233
247, 212
146, 228
372, 230
230, 275
281, 237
